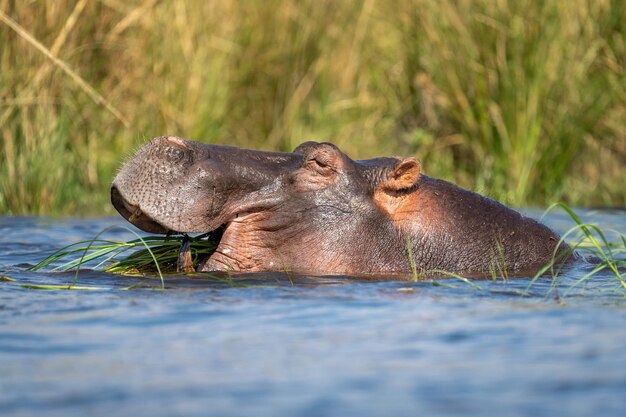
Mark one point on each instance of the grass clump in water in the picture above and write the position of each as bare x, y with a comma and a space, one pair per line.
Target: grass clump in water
594, 245
144, 255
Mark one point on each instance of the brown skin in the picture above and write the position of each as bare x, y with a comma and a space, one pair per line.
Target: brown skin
315, 210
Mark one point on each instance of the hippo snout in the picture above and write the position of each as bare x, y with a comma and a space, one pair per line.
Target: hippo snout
133, 214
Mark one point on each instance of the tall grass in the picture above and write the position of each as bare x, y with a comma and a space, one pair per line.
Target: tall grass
524, 101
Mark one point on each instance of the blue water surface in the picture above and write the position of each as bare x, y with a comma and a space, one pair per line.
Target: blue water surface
331, 346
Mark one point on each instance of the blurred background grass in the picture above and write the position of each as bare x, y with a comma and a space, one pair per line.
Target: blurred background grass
524, 101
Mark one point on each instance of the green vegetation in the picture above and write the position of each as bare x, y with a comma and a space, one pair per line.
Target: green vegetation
593, 243
144, 255
524, 101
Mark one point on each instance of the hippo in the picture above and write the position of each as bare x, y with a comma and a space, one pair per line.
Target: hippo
317, 211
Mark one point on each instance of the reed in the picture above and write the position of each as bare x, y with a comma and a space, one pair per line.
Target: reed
144, 255
523, 101
593, 243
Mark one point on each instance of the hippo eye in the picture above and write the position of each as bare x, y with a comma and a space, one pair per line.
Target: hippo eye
320, 166
174, 154
316, 164
319, 163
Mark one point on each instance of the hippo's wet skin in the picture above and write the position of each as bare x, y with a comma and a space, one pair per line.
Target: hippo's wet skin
315, 210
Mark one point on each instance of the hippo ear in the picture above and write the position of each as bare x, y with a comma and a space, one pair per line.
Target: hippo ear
403, 176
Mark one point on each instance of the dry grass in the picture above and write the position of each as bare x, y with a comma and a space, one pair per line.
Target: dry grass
524, 101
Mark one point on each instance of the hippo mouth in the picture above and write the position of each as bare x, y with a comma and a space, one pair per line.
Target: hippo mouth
136, 216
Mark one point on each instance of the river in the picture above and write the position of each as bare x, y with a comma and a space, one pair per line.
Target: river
337, 346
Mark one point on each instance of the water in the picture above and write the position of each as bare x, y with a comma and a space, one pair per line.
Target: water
334, 346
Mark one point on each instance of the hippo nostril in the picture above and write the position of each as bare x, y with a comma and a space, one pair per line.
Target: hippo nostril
176, 151
174, 154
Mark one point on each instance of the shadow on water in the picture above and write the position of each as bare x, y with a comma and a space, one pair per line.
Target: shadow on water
279, 344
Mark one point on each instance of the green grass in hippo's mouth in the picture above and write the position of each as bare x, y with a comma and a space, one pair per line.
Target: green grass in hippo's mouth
143, 256
158, 255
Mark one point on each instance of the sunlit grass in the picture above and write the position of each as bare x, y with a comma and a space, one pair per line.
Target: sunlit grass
147, 257
152, 254
57, 287
137, 257
593, 243
522, 101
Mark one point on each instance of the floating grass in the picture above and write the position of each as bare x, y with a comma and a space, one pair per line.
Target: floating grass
137, 257
593, 242
455, 276
52, 287
134, 257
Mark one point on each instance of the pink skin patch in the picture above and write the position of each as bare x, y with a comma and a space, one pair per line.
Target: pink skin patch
178, 141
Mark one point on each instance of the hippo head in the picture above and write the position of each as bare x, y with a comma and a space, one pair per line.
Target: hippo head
313, 209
